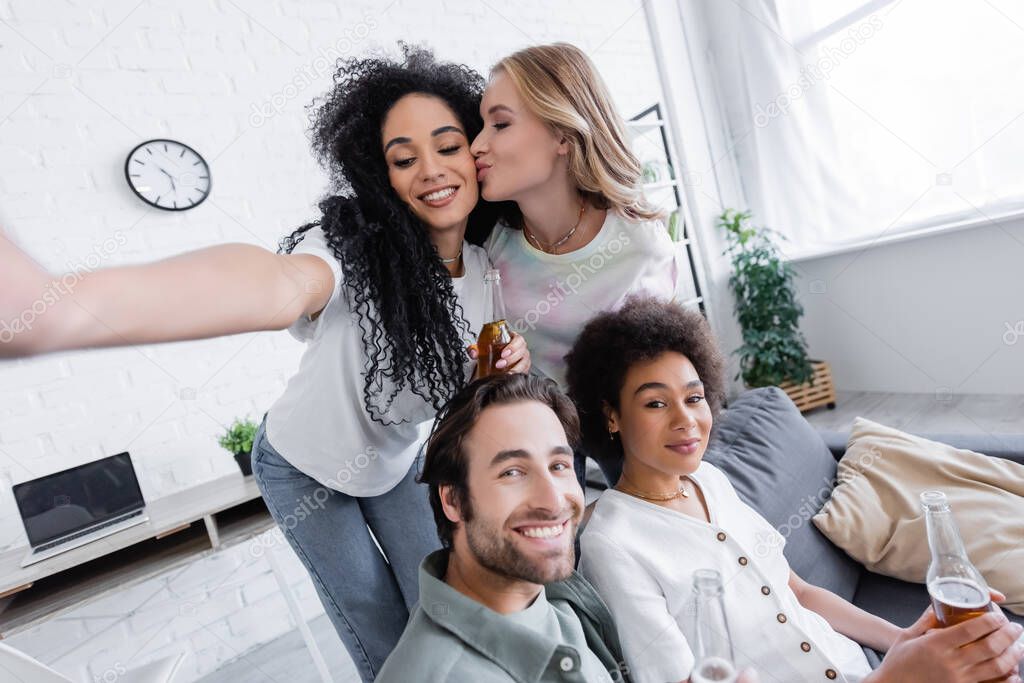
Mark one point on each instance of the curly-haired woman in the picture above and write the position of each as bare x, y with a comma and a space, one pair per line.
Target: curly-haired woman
647, 381
387, 294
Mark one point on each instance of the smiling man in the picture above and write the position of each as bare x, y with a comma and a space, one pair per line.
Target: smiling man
500, 601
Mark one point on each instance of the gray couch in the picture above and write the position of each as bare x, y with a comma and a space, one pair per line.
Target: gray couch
785, 469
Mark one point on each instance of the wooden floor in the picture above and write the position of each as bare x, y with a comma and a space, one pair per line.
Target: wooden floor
926, 413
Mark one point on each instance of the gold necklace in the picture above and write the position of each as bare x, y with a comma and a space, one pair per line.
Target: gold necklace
549, 248
453, 259
660, 497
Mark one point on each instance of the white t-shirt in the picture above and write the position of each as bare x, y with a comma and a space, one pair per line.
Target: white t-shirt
320, 424
549, 297
641, 557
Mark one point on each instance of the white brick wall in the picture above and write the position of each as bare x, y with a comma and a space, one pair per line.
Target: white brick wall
84, 83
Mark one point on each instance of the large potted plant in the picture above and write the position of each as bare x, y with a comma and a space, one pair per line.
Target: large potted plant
237, 440
774, 351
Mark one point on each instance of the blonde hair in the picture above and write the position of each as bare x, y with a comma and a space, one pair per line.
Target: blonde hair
560, 85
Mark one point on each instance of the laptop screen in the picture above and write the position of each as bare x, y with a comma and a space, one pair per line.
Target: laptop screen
71, 500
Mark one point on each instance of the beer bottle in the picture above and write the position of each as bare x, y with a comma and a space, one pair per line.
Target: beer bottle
495, 335
713, 655
957, 589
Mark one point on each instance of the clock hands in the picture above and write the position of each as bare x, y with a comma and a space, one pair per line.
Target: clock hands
174, 188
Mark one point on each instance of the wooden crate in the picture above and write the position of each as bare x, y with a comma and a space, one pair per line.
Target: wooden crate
811, 395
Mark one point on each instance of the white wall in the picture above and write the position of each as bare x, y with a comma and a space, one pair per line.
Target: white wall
83, 83
931, 315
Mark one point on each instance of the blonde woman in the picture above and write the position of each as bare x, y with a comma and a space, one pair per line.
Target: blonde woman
586, 238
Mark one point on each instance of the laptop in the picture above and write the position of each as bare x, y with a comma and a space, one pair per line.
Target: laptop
68, 509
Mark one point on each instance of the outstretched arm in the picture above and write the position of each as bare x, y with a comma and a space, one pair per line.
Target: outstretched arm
225, 289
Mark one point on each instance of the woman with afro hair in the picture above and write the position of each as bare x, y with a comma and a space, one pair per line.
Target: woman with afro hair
387, 293
648, 383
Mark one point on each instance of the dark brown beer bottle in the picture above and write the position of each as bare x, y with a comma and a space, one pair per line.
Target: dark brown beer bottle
957, 589
495, 335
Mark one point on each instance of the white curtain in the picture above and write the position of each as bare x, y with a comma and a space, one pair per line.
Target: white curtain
853, 121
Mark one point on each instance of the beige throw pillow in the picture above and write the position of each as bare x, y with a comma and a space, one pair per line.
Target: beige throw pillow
875, 515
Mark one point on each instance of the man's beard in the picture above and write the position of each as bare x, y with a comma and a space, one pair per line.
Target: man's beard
500, 555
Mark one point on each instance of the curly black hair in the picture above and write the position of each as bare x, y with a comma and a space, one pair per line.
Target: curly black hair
611, 343
393, 277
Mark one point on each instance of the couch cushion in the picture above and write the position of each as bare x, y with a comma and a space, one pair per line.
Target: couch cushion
1006, 446
898, 601
875, 512
780, 466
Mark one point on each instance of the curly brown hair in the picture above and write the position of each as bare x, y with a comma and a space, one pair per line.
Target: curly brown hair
611, 343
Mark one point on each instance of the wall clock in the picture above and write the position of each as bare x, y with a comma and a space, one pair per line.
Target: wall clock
167, 174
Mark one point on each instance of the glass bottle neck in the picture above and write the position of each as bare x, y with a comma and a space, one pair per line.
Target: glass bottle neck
706, 590
714, 644
943, 535
494, 297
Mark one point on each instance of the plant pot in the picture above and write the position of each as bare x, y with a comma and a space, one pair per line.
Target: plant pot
244, 461
818, 392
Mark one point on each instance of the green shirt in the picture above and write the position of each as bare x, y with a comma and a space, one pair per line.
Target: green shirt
567, 635
561, 625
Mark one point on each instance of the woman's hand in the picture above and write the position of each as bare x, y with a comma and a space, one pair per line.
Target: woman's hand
929, 621
975, 650
515, 357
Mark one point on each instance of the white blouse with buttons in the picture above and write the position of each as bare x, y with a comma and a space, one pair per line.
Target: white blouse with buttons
641, 558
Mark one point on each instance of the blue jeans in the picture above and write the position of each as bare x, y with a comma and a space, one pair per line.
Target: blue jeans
367, 597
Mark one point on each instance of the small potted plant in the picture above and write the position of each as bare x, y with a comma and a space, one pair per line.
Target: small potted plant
774, 351
237, 440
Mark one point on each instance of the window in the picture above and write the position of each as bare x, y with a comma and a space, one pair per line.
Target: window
854, 121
